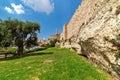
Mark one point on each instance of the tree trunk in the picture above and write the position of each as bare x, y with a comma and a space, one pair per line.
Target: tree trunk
20, 50
20, 45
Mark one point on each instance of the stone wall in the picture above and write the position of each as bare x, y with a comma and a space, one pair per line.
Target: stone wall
92, 23
85, 12
63, 35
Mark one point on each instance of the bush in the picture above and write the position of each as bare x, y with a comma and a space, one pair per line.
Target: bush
11, 50
52, 43
8, 50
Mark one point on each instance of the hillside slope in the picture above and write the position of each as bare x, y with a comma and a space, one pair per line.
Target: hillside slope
50, 64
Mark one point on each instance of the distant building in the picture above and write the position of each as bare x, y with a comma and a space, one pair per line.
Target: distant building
56, 36
43, 42
52, 37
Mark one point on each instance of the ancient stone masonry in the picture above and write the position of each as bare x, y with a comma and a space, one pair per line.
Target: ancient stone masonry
92, 32
85, 12
64, 33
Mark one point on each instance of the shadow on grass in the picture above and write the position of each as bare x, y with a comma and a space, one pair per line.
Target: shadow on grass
26, 55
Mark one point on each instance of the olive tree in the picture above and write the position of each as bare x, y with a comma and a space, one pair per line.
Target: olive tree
18, 33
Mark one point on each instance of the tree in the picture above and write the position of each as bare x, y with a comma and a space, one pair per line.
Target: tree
19, 33
5, 34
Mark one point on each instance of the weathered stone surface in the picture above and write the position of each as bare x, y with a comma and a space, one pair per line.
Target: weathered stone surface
92, 23
63, 35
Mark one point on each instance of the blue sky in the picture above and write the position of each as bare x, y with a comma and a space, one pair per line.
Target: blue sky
51, 14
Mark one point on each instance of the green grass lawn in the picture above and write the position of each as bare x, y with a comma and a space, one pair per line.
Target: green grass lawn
50, 64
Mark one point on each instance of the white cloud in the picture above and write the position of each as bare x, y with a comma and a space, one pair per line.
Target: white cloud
9, 10
46, 6
18, 8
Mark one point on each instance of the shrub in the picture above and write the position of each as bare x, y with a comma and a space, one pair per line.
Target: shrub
11, 50
8, 50
53, 42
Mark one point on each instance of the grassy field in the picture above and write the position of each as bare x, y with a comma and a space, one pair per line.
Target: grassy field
50, 64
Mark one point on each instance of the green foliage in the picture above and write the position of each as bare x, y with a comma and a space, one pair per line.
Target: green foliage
11, 50
5, 35
31, 41
19, 33
50, 64
46, 45
53, 42
8, 50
